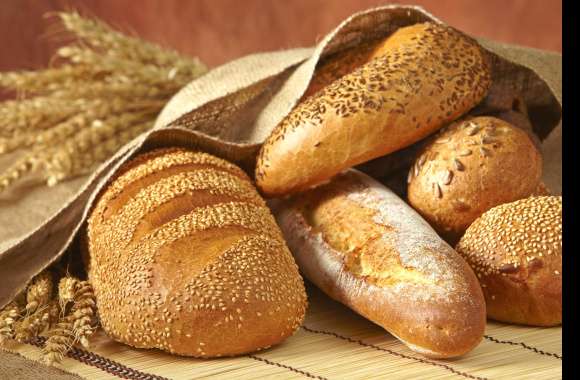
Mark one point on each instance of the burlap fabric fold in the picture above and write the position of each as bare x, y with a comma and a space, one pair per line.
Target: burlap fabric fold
231, 110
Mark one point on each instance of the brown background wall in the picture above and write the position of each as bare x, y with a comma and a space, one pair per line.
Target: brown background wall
220, 30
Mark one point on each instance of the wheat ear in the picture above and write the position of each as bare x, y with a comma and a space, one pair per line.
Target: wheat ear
33, 325
8, 317
39, 291
67, 287
60, 339
84, 313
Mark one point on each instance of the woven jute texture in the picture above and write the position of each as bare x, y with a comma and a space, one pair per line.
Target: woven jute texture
229, 112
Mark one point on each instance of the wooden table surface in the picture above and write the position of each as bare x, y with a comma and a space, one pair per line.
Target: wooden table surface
220, 30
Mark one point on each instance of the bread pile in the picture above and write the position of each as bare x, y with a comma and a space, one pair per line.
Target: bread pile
185, 256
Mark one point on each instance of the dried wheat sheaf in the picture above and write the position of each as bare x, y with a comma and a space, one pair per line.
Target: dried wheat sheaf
104, 89
65, 318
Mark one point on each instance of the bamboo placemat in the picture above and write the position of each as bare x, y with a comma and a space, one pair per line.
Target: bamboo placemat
334, 343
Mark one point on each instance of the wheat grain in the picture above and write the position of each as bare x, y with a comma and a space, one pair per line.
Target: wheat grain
84, 313
67, 287
34, 324
30, 115
77, 326
103, 38
60, 339
39, 291
107, 89
93, 145
8, 317
45, 81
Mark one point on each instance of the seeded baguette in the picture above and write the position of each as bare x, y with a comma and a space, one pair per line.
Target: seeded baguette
185, 256
365, 247
473, 165
422, 77
343, 63
516, 251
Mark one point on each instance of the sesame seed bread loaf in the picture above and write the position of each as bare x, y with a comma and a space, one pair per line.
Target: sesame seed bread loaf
186, 257
365, 247
472, 166
424, 76
516, 251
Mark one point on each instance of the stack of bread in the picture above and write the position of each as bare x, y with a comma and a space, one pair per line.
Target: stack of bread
185, 255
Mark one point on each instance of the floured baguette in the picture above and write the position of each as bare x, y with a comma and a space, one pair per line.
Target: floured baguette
185, 256
365, 247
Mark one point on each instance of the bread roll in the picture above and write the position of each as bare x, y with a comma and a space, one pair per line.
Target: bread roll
365, 247
472, 166
186, 257
516, 251
426, 75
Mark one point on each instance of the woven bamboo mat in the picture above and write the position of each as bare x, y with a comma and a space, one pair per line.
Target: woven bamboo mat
334, 343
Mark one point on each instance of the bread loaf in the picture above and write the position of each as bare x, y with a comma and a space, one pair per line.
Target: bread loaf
516, 251
344, 62
366, 248
186, 257
472, 166
425, 76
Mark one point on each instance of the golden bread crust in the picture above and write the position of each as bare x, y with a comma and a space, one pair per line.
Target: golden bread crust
425, 76
471, 166
186, 257
516, 251
363, 246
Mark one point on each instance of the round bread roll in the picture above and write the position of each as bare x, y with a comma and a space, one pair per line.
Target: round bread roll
472, 166
516, 251
186, 257
422, 77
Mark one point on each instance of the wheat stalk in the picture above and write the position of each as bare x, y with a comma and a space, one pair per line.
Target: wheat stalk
106, 89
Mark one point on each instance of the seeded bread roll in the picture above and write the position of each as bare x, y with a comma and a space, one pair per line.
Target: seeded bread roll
186, 257
365, 247
425, 76
472, 166
516, 251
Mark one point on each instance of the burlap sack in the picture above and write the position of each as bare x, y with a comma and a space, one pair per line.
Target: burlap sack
231, 110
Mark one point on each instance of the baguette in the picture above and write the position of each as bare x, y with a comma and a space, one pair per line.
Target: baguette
185, 256
366, 248
421, 78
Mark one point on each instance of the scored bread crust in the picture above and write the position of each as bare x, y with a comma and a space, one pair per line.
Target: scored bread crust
364, 247
425, 76
471, 166
516, 251
185, 256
